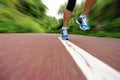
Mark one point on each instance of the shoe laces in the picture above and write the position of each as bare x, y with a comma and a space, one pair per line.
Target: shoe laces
84, 20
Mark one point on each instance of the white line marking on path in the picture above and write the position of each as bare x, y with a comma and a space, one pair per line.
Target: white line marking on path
92, 68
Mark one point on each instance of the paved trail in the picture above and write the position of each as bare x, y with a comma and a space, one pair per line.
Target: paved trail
47, 57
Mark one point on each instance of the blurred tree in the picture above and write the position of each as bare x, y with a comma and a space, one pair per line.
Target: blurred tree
106, 15
21, 15
34, 8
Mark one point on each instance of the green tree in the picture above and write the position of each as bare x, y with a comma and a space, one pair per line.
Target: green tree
21, 15
34, 8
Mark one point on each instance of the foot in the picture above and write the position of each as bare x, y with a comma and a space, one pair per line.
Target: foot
64, 34
82, 21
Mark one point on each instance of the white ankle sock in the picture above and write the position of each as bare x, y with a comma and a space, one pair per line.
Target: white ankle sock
64, 27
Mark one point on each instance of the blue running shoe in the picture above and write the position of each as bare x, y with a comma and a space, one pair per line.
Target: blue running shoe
64, 34
82, 21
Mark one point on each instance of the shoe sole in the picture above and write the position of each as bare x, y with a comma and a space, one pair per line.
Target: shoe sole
65, 38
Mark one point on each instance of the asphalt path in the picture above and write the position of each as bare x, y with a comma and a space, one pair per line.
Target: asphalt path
45, 57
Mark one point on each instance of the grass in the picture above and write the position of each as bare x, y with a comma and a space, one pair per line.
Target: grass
97, 33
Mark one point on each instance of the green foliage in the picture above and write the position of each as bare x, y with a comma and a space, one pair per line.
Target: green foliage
50, 24
106, 16
33, 8
112, 26
21, 16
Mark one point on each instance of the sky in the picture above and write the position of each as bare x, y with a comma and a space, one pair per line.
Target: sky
53, 7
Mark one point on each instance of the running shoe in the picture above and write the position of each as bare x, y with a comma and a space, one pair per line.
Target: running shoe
64, 34
82, 21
